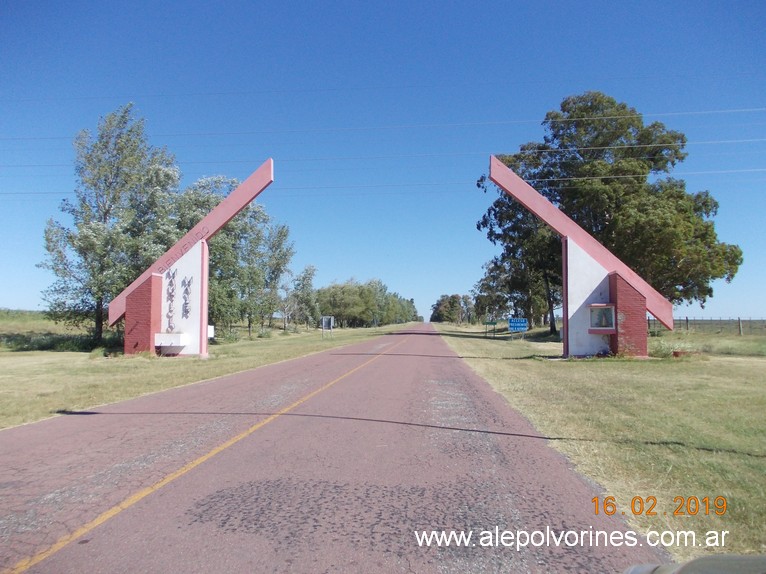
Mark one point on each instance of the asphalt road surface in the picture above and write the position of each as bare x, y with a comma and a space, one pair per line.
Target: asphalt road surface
328, 463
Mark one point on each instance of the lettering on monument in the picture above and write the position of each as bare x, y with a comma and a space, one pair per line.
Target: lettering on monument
170, 295
190, 256
182, 249
186, 284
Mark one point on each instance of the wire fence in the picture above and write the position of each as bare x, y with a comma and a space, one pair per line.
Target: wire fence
721, 326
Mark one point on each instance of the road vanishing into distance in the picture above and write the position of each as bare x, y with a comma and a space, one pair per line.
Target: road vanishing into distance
327, 463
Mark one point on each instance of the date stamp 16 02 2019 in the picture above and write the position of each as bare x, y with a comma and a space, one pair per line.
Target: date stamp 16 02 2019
647, 506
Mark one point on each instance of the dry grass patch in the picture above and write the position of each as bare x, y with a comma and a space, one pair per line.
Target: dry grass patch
36, 384
658, 427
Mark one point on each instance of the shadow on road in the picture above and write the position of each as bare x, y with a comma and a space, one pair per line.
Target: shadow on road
659, 443
531, 356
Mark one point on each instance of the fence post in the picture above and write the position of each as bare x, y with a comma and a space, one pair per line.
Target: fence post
687, 323
739, 320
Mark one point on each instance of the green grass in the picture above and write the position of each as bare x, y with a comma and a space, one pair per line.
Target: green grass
664, 342
661, 427
35, 384
686, 427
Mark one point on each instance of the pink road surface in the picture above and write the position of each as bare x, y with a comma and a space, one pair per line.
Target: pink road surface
398, 436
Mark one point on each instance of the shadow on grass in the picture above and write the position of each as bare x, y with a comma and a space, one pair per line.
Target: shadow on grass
660, 443
58, 342
529, 356
535, 336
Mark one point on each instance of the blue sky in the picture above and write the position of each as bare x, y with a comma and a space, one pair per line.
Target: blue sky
379, 116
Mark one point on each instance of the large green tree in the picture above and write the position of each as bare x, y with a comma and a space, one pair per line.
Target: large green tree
609, 171
275, 263
305, 297
236, 251
128, 211
112, 228
249, 256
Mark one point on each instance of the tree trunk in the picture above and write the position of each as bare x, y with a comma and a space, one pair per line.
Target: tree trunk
551, 313
98, 331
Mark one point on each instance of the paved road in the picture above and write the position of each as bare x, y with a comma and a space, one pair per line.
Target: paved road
328, 463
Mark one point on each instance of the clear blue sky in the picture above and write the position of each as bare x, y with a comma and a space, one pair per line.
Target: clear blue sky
379, 116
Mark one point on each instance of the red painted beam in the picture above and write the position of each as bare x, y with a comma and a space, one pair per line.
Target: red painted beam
562, 224
211, 224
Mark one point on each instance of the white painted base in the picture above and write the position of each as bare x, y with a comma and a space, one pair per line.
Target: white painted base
587, 284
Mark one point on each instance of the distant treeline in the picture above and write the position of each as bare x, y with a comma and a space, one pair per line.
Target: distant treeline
370, 304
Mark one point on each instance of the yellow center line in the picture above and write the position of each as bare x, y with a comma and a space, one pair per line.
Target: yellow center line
26, 563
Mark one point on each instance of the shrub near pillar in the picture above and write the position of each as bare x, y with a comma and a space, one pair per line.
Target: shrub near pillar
143, 310
630, 309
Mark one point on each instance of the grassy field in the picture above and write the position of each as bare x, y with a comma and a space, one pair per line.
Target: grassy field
35, 383
662, 428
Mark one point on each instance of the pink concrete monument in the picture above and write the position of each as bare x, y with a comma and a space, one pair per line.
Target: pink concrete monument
605, 302
166, 308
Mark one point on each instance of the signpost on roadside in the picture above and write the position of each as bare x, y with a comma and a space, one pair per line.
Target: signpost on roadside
328, 322
517, 325
486, 328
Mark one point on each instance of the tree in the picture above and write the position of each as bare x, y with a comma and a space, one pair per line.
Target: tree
128, 212
492, 292
119, 174
447, 309
252, 274
595, 164
305, 296
469, 309
278, 253
528, 269
228, 268
365, 305
287, 303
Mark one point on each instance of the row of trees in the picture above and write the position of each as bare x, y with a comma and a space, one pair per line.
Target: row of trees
601, 165
355, 304
128, 210
478, 307
454, 309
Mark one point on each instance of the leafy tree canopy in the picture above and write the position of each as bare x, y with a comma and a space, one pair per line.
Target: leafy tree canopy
355, 304
454, 309
128, 210
606, 169
118, 219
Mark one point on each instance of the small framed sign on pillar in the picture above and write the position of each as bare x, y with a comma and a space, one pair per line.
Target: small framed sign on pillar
602, 320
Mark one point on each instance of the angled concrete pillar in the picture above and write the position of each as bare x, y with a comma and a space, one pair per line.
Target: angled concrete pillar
596, 282
177, 312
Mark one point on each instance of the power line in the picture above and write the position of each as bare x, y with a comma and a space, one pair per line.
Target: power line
432, 184
515, 83
342, 129
421, 155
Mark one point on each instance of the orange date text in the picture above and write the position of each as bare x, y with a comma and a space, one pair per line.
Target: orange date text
647, 506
